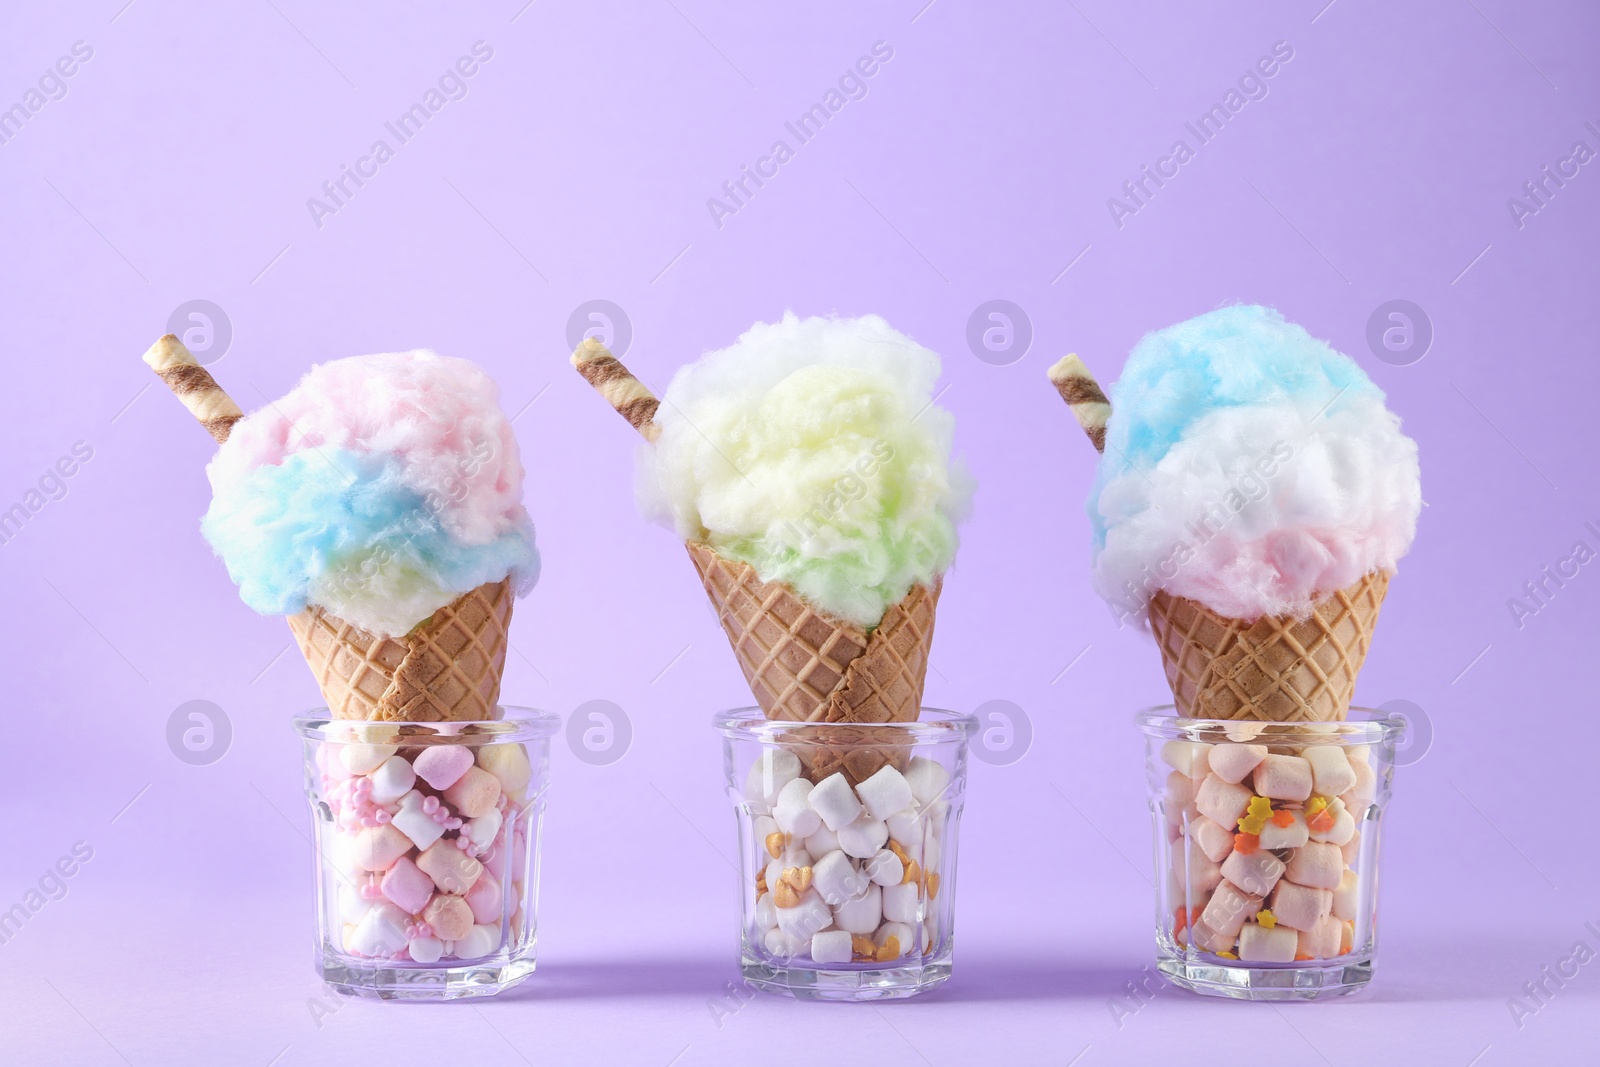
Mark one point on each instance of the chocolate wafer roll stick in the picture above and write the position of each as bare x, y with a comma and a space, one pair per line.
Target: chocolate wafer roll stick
193, 384
630, 397
1082, 394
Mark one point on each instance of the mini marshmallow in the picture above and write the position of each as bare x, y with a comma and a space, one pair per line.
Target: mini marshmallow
1227, 910
364, 759
835, 801
1300, 906
885, 792
1256, 873
1180, 798
450, 916
764, 914
392, 780
1260, 944
927, 779
1242, 731
377, 847
832, 946
772, 770
1316, 864
343, 852
1294, 835
862, 915
442, 766
352, 905
908, 827
381, 932
863, 838
820, 843
426, 949
902, 933
901, 903
485, 898
932, 850
451, 869
475, 793
1212, 839
1221, 802
1323, 940
885, 868
805, 918
1196, 877
837, 879
1188, 758
1347, 898
792, 809
1211, 940
484, 829
509, 763
417, 825
1343, 829
1358, 796
1331, 773
1283, 778
1232, 762
407, 886
778, 943
1351, 849
478, 942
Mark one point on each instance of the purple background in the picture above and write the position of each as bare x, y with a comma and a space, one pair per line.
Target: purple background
978, 166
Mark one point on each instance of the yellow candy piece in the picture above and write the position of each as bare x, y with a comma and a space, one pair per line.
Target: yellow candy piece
1265, 919
1256, 817
1314, 805
1228, 955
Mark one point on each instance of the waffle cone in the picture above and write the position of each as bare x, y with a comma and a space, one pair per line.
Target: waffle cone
804, 666
447, 669
1277, 668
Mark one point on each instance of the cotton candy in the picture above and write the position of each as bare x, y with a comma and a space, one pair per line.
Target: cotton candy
1250, 467
380, 488
811, 449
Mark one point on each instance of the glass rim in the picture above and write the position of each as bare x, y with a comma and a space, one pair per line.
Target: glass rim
515, 724
934, 726
1369, 726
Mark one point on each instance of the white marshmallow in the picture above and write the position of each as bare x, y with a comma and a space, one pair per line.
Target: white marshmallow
885, 793
832, 946
835, 802
1358, 796
792, 809
885, 868
481, 940
863, 838
1188, 758
415, 823
1343, 829
353, 907
805, 918
861, 915
1259, 944
820, 843
1241, 731
1179, 803
426, 949
1347, 898
764, 913
509, 763
908, 828
838, 879
763, 827
932, 851
901, 903
1351, 849
1331, 773
778, 943
1232, 762
343, 855
392, 780
364, 759
381, 931
1292, 836
772, 770
483, 830
927, 779
901, 932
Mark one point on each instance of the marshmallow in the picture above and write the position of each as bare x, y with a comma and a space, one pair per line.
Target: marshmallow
932, 850
407, 886
1358, 754
364, 759
792, 809
1347, 898
1226, 912
1294, 835
927, 779
901, 903
1221, 802
1256, 873
1283, 778
1211, 940
903, 935
342, 850
832, 946
484, 829
1358, 796
1331, 773
475, 793
450, 916
426, 949
1351, 849
765, 915
1180, 798
837, 879
1213, 840
834, 801
392, 780
885, 793
509, 763
1299, 906
907, 828
1260, 944
820, 843
352, 905
1343, 828
417, 825
381, 932
1232, 762
478, 942
772, 770
861, 915
885, 868
442, 766
1188, 758
485, 898
1324, 940
451, 869
1316, 864
1241, 731
1196, 877
764, 827
805, 918
863, 838
780, 944
377, 847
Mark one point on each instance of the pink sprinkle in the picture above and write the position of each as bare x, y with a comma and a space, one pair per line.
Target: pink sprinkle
430, 805
424, 930
453, 824
382, 817
363, 785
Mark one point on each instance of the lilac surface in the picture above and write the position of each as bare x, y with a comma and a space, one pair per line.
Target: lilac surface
1379, 166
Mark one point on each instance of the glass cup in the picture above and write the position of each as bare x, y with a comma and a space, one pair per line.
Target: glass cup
847, 851
427, 851
1266, 839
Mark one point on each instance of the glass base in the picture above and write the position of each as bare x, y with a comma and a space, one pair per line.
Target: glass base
398, 981
844, 982
1267, 981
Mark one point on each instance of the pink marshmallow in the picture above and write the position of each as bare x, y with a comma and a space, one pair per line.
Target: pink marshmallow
1232, 762
485, 898
1316, 864
1256, 873
1351, 849
1199, 876
451, 869
450, 917
474, 793
1180, 798
1300, 906
1221, 802
1358, 796
1283, 778
1347, 898
1331, 773
407, 886
377, 847
1261, 944
1211, 940
1324, 940
1294, 835
1213, 840
1227, 911
442, 766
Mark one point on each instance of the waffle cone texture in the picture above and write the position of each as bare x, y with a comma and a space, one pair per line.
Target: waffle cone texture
1273, 669
447, 669
804, 666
